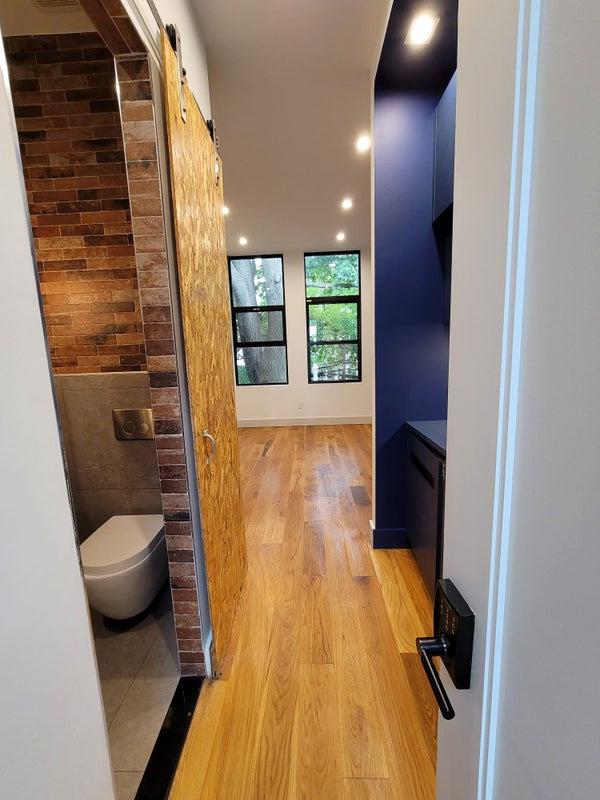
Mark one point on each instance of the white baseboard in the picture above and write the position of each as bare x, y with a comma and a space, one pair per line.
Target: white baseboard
268, 423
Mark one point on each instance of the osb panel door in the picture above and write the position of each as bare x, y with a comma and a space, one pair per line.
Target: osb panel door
197, 197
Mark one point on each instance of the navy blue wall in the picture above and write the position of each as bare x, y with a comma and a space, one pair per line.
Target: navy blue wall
445, 124
411, 339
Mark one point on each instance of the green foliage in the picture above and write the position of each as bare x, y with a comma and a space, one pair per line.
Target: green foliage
243, 376
337, 321
335, 275
334, 362
332, 275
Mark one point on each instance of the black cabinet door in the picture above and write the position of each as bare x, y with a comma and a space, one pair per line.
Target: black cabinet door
424, 517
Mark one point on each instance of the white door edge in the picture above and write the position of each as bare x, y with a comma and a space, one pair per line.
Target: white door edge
521, 168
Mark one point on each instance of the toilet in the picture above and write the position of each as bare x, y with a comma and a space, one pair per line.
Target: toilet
125, 564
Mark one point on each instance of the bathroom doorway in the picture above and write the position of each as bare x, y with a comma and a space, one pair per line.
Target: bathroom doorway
88, 143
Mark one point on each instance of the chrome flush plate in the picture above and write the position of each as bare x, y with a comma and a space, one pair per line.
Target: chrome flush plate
133, 423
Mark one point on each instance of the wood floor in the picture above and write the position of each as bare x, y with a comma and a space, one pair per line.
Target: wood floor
322, 695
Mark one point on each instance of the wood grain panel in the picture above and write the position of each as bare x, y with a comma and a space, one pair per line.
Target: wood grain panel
367, 789
197, 195
320, 701
317, 766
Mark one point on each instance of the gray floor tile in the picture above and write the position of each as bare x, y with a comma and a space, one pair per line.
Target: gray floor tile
139, 671
120, 655
126, 784
138, 721
136, 725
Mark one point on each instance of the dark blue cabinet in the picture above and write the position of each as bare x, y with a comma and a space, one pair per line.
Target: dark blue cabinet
445, 125
426, 483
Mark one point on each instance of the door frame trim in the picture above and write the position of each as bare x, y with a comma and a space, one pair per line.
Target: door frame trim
516, 264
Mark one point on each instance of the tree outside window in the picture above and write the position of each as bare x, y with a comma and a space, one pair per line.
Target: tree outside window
258, 315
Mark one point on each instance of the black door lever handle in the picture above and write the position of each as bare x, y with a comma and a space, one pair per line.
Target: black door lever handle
429, 647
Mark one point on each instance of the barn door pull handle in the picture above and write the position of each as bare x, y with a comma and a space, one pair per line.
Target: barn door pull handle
428, 647
213, 446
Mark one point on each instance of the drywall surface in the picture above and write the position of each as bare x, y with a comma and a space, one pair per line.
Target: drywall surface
301, 402
53, 737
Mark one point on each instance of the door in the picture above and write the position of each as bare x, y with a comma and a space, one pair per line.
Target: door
197, 197
425, 498
522, 503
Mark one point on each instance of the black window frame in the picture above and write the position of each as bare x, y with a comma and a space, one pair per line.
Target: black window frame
337, 299
241, 309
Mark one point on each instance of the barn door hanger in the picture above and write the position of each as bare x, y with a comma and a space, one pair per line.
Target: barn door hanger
175, 39
210, 124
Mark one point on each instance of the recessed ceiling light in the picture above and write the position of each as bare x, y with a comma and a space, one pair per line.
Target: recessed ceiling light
340, 236
363, 143
347, 203
422, 28
225, 211
243, 241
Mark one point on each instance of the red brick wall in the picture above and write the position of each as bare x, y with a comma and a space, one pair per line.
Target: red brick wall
67, 112
141, 150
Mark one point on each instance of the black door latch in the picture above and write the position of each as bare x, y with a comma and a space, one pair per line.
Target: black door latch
453, 625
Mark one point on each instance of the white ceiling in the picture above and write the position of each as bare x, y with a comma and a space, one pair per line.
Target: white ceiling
290, 85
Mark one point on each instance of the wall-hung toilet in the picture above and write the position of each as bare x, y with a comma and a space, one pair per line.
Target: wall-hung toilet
125, 564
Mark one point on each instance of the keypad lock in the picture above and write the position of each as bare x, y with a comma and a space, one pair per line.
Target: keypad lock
453, 626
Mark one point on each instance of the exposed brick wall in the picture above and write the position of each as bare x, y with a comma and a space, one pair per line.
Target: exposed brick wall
74, 293
139, 132
64, 93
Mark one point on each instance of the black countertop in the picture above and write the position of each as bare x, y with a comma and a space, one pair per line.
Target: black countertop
432, 432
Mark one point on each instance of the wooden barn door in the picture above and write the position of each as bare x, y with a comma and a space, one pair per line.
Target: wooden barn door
197, 196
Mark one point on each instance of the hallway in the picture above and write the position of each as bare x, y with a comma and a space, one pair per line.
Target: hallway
322, 694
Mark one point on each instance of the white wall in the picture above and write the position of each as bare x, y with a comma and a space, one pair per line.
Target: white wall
287, 110
52, 734
300, 402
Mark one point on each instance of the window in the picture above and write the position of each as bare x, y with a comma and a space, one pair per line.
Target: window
258, 316
333, 316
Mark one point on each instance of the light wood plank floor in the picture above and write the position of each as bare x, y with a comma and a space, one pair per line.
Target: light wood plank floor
322, 695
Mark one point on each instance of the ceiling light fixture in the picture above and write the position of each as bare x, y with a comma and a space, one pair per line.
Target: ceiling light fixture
363, 143
421, 29
225, 211
347, 203
340, 236
243, 241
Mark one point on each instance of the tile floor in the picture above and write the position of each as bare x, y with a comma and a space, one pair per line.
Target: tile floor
139, 671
